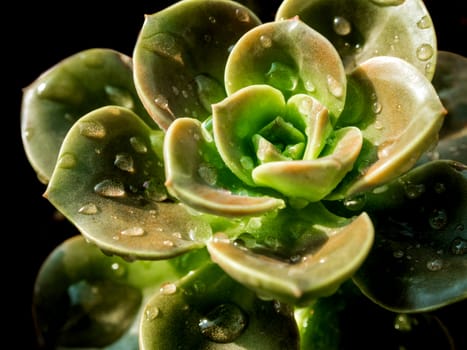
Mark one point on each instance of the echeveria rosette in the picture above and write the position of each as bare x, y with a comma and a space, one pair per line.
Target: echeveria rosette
295, 129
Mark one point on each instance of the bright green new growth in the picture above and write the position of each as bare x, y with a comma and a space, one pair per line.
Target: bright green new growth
245, 169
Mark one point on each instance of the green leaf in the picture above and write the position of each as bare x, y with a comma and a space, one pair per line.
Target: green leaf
291, 57
193, 180
362, 29
418, 260
325, 252
180, 56
109, 182
208, 310
73, 87
312, 180
85, 299
401, 116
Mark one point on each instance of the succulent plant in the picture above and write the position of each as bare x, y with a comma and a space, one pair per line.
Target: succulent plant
242, 184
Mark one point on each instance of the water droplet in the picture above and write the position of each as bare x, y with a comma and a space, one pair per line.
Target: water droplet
341, 25
403, 322
119, 96
168, 288
334, 86
208, 174
242, 15
138, 144
118, 269
246, 162
440, 187
224, 323
124, 162
424, 52
135, 231
459, 246
309, 86
265, 41
435, 264
162, 102
92, 129
166, 45
398, 254
110, 188
355, 202
67, 161
438, 219
388, 2
254, 224
168, 243
212, 19
424, 22
413, 191
151, 313
376, 107
88, 209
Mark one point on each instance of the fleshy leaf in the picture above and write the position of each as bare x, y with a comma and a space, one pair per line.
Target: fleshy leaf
319, 271
362, 29
85, 299
185, 179
418, 261
450, 81
240, 116
208, 310
313, 179
109, 182
274, 53
402, 122
70, 89
347, 317
180, 56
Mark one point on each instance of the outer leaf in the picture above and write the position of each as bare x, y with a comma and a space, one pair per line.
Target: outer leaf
70, 89
85, 299
291, 57
418, 260
347, 317
316, 271
450, 81
208, 310
109, 182
403, 122
185, 161
362, 29
180, 56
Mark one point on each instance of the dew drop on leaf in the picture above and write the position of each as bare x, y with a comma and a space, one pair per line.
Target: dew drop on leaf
341, 25
223, 324
242, 15
151, 313
459, 246
110, 188
124, 162
434, 264
88, 209
168, 288
424, 52
424, 23
438, 219
138, 144
67, 161
92, 129
265, 41
135, 231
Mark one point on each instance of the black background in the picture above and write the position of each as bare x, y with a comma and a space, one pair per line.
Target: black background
34, 37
